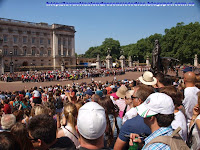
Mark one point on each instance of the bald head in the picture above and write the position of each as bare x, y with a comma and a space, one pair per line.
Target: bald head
189, 77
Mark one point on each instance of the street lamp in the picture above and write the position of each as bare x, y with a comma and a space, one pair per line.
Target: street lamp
11, 63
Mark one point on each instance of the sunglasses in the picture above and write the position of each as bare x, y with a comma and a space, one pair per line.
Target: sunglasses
32, 139
132, 97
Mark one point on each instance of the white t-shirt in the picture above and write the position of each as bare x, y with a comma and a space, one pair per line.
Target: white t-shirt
36, 93
196, 137
130, 114
190, 100
180, 121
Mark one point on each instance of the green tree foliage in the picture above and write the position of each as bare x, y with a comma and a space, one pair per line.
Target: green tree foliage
181, 42
114, 46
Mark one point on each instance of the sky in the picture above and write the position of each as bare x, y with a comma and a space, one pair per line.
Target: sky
94, 23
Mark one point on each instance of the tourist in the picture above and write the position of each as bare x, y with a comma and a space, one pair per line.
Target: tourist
70, 114
91, 125
42, 133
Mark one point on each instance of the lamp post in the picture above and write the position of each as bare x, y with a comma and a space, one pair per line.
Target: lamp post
11, 63
31, 68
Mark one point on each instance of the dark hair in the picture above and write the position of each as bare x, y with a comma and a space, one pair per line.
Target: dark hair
8, 142
21, 135
19, 114
110, 109
95, 98
174, 93
43, 127
160, 77
104, 92
164, 120
143, 91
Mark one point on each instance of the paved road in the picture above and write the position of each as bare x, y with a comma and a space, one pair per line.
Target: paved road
17, 86
13, 86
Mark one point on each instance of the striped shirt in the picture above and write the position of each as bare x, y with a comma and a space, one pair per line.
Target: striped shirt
163, 131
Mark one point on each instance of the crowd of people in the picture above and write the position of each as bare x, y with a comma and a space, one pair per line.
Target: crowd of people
111, 115
72, 74
57, 75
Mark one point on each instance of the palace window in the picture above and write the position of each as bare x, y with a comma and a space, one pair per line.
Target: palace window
33, 51
24, 39
25, 52
41, 52
49, 41
59, 52
49, 52
15, 51
41, 40
5, 38
5, 51
33, 40
15, 39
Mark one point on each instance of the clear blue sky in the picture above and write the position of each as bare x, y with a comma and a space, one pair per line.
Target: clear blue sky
94, 24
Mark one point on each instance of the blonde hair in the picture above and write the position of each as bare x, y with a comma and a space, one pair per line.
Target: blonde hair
38, 110
78, 105
71, 113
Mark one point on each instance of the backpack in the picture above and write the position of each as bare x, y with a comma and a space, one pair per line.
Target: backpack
174, 141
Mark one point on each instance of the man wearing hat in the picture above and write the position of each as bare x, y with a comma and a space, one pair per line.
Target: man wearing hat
91, 125
158, 114
147, 78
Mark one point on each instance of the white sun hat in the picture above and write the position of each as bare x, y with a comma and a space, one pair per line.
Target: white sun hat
147, 78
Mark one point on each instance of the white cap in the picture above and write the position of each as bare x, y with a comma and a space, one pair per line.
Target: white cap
91, 121
156, 103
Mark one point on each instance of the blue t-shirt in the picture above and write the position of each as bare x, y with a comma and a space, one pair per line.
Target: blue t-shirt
134, 125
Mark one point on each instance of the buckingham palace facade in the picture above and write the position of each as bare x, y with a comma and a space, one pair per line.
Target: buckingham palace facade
36, 45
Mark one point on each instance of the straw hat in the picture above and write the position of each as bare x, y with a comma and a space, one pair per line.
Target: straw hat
121, 92
147, 78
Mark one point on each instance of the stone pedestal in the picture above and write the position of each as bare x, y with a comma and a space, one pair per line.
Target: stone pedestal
195, 60
1, 63
130, 64
147, 61
122, 61
62, 66
98, 62
108, 62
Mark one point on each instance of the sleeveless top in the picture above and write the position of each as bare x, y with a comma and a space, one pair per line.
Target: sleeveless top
70, 133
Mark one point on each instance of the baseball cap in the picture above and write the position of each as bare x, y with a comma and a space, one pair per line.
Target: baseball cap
187, 69
100, 93
156, 103
89, 92
91, 121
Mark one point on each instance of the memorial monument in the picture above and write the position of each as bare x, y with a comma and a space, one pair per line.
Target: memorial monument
156, 60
